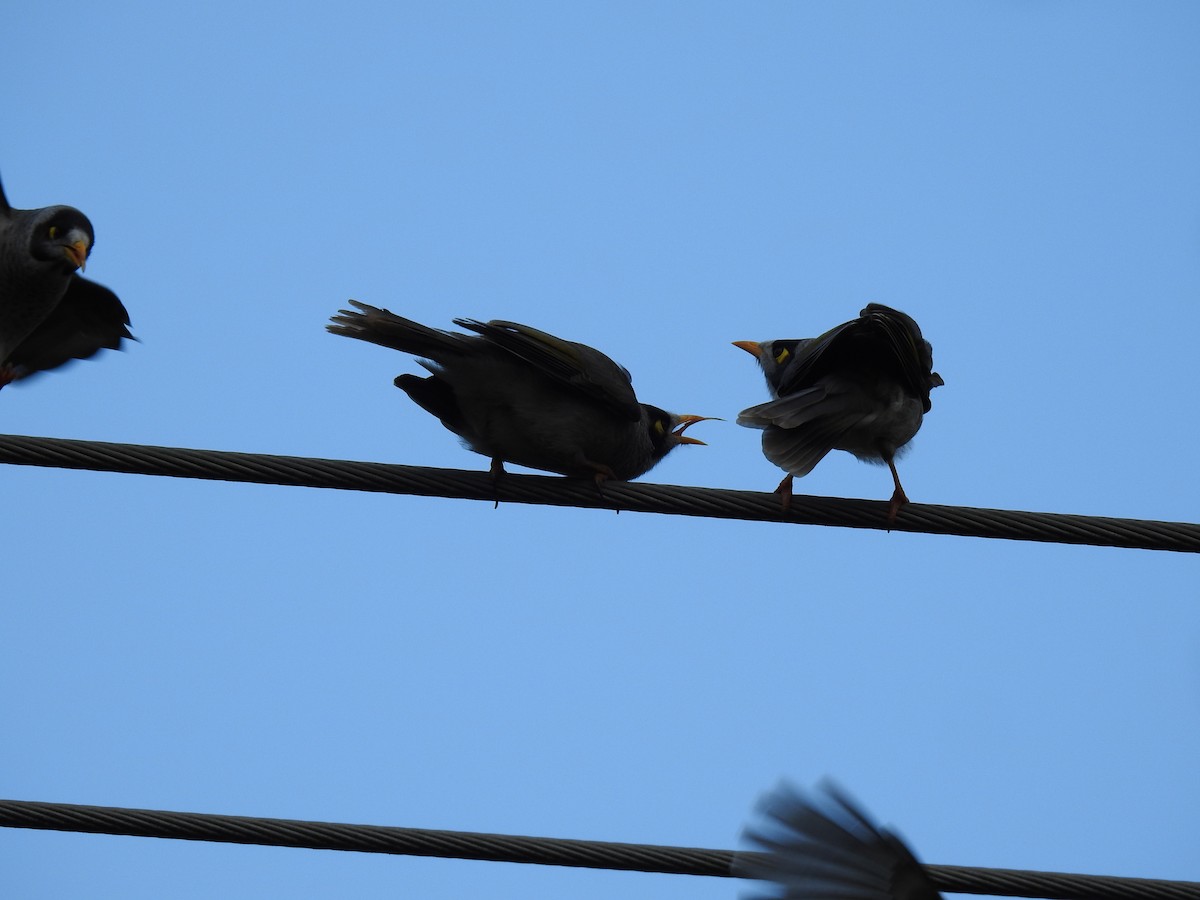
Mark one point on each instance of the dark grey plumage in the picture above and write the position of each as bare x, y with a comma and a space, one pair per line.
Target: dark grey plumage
48, 313
822, 846
519, 395
862, 387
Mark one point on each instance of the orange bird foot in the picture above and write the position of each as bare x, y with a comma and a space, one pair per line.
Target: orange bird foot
898, 500
785, 494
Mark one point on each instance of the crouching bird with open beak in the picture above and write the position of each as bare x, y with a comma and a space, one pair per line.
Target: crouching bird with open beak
822, 845
48, 313
519, 395
862, 387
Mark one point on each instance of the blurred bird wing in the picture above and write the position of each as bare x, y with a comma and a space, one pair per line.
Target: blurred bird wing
576, 366
826, 847
89, 318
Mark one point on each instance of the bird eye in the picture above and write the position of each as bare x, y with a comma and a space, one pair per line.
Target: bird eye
659, 428
53, 232
781, 356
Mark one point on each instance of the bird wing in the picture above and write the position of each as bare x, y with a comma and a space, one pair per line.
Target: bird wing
881, 337
809, 360
903, 338
576, 366
801, 428
824, 847
791, 411
89, 318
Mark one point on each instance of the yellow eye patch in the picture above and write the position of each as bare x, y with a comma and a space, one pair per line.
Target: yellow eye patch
658, 427
53, 232
783, 354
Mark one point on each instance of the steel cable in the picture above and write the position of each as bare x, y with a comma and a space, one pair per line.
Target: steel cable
631, 496
534, 850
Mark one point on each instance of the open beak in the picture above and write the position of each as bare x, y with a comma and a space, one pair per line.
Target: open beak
77, 252
685, 422
751, 347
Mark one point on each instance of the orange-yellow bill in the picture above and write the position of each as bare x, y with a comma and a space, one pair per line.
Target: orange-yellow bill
686, 421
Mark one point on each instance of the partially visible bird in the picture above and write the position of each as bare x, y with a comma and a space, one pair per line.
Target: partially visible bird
519, 395
862, 387
821, 846
48, 313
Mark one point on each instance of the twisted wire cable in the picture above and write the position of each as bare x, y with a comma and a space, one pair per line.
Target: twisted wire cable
632, 496
534, 850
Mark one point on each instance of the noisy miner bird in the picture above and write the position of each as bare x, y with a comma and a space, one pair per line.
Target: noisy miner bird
862, 387
821, 845
49, 314
519, 395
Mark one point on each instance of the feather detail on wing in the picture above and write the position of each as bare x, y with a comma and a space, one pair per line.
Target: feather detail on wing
577, 366
809, 360
904, 339
789, 411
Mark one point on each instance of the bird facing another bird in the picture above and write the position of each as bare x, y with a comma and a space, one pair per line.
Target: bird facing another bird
514, 393
862, 387
48, 313
519, 395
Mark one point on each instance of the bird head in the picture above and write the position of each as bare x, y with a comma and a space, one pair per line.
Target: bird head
667, 429
63, 237
772, 356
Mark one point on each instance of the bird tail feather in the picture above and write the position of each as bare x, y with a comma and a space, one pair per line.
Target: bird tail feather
380, 326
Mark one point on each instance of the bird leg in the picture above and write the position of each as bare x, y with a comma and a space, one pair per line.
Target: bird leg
602, 473
899, 498
785, 493
497, 470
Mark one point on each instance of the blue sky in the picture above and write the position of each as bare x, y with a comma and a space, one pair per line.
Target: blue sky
657, 180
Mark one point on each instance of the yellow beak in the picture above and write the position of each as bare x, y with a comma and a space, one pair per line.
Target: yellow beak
77, 253
686, 421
